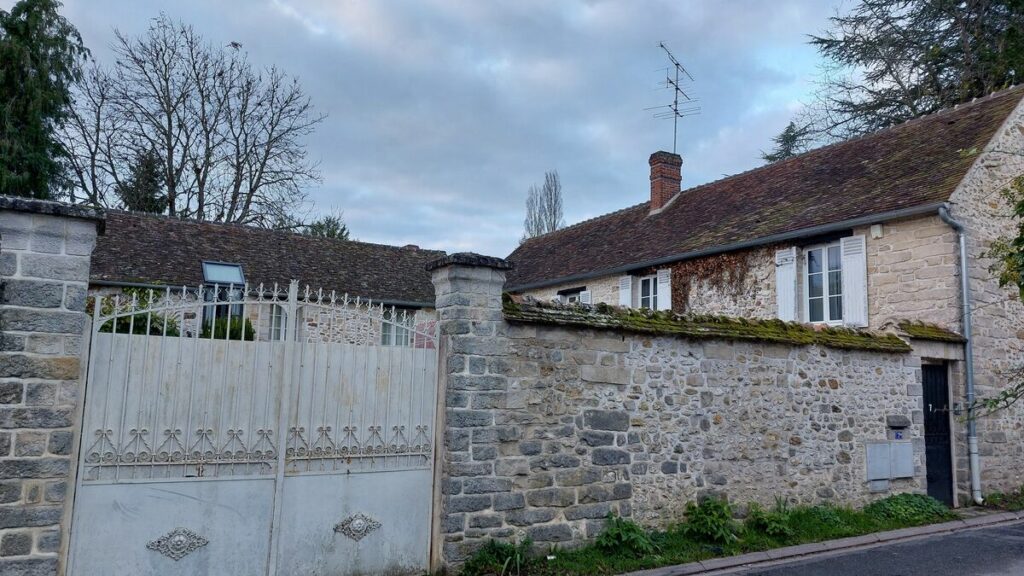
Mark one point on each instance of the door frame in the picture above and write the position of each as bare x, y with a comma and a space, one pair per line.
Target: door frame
950, 373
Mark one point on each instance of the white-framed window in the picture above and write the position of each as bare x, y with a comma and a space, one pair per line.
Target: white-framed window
649, 292
396, 327
224, 283
277, 322
578, 295
223, 273
823, 284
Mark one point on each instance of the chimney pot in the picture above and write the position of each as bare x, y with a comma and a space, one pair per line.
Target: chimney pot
666, 178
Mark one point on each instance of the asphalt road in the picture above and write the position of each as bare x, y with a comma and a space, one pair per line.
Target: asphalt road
997, 551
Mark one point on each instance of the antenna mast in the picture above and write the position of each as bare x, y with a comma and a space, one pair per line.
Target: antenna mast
682, 104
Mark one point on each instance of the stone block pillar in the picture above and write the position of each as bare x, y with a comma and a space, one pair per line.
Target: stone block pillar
473, 386
45, 250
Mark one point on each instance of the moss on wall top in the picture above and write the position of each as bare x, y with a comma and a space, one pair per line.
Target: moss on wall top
923, 331
605, 317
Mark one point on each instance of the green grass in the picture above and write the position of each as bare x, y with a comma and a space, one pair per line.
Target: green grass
761, 530
1013, 501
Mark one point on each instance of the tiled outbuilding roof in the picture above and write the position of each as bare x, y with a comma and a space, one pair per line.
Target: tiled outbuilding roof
147, 249
899, 169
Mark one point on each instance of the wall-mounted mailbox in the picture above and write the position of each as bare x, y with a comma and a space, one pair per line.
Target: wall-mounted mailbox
890, 460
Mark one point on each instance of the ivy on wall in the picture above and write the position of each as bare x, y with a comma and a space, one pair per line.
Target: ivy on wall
726, 273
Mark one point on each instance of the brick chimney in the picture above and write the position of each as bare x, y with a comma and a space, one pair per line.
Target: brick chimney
666, 178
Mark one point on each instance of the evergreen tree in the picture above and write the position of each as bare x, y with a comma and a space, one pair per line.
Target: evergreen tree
41, 55
144, 190
789, 142
892, 60
330, 226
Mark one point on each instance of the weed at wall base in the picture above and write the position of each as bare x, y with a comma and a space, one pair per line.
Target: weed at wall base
709, 531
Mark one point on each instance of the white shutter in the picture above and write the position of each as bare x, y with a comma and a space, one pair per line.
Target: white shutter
665, 289
855, 281
626, 291
785, 284
585, 297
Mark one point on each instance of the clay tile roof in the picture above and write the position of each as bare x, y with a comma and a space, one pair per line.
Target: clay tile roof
160, 250
910, 165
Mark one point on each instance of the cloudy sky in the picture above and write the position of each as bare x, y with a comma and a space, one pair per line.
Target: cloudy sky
441, 113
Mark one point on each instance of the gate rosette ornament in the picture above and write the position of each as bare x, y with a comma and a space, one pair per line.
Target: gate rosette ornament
357, 526
178, 543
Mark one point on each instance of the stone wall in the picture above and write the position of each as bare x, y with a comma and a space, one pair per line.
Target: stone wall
44, 270
548, 429
998, 315
912, 272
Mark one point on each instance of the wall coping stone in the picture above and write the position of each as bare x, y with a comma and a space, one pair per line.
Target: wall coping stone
470, 259
927, 331
51, 208
606, 317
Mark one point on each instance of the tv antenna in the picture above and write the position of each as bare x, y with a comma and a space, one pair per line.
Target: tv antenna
679, 80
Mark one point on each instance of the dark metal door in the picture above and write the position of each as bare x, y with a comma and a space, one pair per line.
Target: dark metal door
937, 433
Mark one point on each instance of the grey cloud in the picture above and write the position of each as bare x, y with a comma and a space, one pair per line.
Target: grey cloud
442, 113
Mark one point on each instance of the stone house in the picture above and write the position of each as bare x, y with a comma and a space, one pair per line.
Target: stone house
864, 233
140, 252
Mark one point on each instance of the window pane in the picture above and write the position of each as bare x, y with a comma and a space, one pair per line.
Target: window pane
814, 285
645, 288
835, 308
835, 261
813, 261
214, 273
654, 302
816, 309
835, 283
277, 322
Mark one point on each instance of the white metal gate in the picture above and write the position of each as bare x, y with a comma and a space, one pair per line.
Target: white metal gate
254, 432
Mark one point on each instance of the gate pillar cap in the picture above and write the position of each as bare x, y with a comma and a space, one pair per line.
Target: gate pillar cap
469, 259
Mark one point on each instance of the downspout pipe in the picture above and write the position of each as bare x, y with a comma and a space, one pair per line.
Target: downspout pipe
965, 299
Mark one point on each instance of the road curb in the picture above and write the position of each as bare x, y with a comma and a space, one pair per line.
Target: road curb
752, 559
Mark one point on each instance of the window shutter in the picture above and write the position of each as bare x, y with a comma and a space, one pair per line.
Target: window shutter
785, 284
626, 291
665, 289
585, 297
855, 281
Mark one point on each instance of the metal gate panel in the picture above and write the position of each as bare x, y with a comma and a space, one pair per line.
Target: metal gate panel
119, 528
292, 442
370, 523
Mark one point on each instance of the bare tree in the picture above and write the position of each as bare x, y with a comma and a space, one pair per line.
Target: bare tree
544, 207
94, 137
230, 138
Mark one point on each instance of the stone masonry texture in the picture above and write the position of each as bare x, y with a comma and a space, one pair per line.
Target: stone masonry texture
998, 314
44, 271
549, 429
